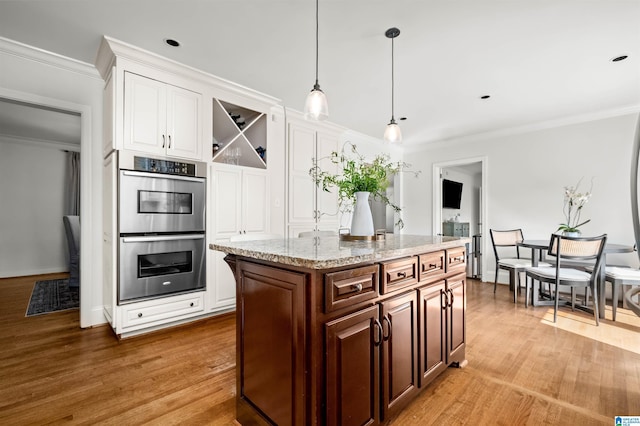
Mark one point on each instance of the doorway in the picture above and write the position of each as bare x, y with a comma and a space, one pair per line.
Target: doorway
461, 207
40, 103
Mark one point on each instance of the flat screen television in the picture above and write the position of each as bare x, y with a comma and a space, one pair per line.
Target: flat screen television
451, 194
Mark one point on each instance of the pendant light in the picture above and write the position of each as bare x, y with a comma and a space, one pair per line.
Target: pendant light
316, 107
392, 133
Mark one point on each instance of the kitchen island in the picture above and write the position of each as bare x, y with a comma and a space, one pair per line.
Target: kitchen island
335, 332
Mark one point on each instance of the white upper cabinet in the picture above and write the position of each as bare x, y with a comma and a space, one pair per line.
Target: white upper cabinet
161, 119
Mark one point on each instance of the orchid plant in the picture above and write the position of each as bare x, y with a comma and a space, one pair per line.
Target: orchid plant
574, 201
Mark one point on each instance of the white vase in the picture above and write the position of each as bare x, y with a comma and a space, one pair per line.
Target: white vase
362, 219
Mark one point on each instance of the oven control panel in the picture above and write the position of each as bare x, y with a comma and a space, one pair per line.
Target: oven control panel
145, 164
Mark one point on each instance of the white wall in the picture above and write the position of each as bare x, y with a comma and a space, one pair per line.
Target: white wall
32, 190
39, 77
526, 175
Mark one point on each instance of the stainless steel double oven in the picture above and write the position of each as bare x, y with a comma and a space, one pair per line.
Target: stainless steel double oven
162, 227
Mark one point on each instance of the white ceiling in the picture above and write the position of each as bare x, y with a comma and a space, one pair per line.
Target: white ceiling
540, 60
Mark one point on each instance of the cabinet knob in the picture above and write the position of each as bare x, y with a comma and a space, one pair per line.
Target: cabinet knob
402, 274
191, 304
357, 287
139, 314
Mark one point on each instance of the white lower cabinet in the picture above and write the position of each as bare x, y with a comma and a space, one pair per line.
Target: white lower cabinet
157, 312
240, 206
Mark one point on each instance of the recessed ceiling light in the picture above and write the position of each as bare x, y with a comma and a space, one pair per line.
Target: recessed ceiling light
171, 42
485, 96
619, 58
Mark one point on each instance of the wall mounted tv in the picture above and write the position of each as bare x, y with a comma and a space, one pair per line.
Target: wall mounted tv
451, 194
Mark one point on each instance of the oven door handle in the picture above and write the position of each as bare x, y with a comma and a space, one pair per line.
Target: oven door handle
162, 176
152, 238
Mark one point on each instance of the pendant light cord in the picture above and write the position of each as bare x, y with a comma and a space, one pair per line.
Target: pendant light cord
317, 86
392, 85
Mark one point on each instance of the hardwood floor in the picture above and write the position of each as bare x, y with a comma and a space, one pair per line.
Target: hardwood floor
522, 369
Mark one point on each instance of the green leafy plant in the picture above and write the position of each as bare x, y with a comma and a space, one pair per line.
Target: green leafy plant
358, 175
574, 201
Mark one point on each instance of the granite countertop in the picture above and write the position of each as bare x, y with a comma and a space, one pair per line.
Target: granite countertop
330, 252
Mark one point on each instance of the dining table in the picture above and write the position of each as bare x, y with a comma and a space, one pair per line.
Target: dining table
540, 247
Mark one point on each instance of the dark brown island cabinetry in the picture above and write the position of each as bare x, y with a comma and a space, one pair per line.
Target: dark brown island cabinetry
329, 344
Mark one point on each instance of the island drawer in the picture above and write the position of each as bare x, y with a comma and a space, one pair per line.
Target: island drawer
345, 288
431, 265
399, 273
456, 260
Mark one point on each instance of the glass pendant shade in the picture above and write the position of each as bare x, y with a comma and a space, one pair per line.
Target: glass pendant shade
316, 106
392, 133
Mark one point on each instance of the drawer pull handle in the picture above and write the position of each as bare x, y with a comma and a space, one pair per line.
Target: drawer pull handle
388, 321
402, 274
357, 287
457, 259
139, 314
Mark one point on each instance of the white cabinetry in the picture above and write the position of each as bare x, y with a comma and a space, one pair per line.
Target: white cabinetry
240, 206
239, 135
153, 313
309, 207
161, 119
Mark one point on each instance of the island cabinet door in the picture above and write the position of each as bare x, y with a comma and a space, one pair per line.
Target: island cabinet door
432, 331
399, 352
456, 329
352, 382
270, 345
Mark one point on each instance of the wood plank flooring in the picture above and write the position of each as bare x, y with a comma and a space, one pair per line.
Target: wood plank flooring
522, 369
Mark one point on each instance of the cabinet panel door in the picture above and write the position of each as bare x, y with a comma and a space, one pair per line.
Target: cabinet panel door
183, 123
432, 331
456, 332
353, 369
145, 109
227, 201
270, 334
255, 205
399, 352
301, 186
327, 201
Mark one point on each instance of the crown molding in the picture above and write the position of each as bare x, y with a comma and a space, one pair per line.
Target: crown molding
41, 143
528, 128
112, 50
24, 51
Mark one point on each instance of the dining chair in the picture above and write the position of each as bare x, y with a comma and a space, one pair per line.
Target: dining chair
618, 277
629, 297
254, 237
507, 254
311, 234
570, 249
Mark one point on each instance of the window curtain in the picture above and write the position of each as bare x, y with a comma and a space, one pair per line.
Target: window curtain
72, 182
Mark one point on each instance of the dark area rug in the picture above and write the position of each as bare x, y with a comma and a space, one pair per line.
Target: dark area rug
51, 296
